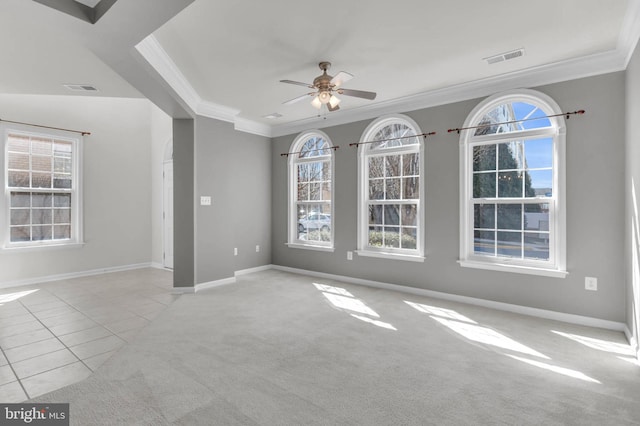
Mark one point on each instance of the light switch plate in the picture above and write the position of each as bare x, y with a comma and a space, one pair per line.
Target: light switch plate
205, 200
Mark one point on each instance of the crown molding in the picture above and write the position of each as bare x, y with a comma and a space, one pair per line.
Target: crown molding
571, 69
250, 126
153, 52
587, 66
630, 30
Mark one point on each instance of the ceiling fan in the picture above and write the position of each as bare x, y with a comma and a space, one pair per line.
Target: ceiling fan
326, 87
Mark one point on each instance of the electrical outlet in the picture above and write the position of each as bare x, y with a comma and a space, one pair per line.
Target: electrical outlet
591, 283
257, 249
349, 255
235, 251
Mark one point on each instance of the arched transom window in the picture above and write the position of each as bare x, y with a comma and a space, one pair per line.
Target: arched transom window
311, 191
512, 185
390, 189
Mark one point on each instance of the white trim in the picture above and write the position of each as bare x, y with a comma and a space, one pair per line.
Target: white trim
390, 256
183, 290
630, 31
251, 270
556, 265
254, 127
70, 275
213, 284
153, 52
310, 247
571, 69
500, 306
76, 191
629, 336
40, 247
292, 191
364, 152
518, 269
217, 111
555, 72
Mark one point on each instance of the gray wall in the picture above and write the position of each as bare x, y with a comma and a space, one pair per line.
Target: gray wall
116, 184
595, 200
632, 219
233, 168
183, 203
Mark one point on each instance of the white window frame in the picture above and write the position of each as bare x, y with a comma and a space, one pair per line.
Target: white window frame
76, 141
294, 160
556, 265
364, 152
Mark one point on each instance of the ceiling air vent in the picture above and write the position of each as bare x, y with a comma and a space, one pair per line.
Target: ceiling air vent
80, 87
504, 56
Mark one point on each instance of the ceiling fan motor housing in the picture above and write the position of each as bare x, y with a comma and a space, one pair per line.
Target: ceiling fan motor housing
323, 82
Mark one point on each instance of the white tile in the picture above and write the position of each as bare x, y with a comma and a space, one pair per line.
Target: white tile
42, 363
16, 320
3, 360
11, 309
113, 317
25, 338
12, 393
55, 379
47, 305
20, 328
96, 347
60, 310
6, 375
72, 327
129, 335
63, 319
84, 336
96, 361
133, 323
33, 349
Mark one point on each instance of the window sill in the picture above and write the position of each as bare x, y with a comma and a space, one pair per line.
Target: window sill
310, 247
40, 247
392, 256
518, 269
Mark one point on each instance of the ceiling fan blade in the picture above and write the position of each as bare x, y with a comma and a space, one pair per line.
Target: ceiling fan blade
341, 78
297, 99
337, 107
358, 93
298, 83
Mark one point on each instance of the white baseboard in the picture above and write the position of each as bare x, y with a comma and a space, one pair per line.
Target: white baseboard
518, 309
252, 270
633, 341
70, 275
212, 284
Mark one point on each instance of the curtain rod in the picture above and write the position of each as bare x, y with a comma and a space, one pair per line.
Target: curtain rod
565, 114
424, 135
286, 154
47, 127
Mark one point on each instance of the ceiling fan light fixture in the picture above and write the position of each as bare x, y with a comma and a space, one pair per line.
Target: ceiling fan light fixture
324, 97
316, 102
334, 101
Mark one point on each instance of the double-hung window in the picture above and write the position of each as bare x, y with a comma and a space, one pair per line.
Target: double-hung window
512, 186
391, 190
42, 188
311, 191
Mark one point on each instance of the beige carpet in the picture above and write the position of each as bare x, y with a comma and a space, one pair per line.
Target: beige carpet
284, 349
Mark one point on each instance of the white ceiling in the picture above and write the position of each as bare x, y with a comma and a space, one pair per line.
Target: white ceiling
225, 58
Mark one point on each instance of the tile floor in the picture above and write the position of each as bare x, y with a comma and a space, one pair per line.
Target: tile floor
58, 333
